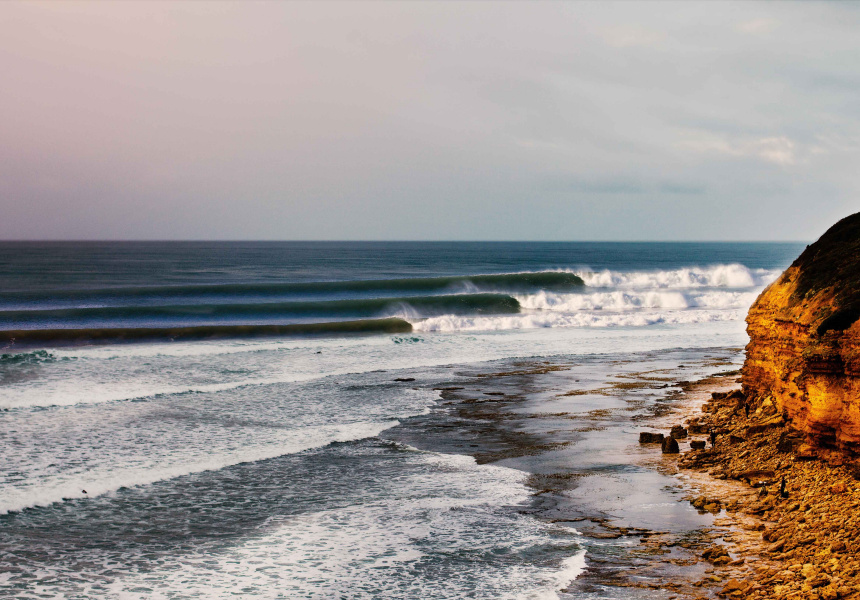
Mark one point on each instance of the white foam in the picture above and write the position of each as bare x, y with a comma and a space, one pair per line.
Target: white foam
404, 543
634, 300
726, 276
123, 391
578, 320
70, 484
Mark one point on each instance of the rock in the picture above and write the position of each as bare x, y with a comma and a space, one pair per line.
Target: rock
789, 441
670, 446
777, 546
830, 592
756, 478
678, 432
805, 452
804, 349
697, 444
715, 552
733, 586
735, 395
838, 488
647, 437
764, 426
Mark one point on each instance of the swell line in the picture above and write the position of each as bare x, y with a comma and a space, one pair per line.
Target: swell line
517, 282
366, 307
118, 334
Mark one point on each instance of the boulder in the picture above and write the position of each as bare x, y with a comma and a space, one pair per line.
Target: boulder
697, 444
646, 437
670, 446
734, 587
678, 432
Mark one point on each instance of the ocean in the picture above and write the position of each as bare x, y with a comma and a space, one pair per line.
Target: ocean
344, 420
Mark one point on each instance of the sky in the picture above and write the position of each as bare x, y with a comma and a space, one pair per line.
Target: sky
428, 121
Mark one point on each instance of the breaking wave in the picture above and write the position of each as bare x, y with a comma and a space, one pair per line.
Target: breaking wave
584, 319
633, 300
27, 358
717, 276
559, 298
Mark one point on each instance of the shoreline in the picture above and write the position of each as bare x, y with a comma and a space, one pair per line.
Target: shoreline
746, 542
576, 439
802, 536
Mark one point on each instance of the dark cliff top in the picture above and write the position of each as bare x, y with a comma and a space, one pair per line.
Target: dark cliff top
833, 264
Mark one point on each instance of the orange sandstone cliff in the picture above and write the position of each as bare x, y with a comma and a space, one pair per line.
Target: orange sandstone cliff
804, 351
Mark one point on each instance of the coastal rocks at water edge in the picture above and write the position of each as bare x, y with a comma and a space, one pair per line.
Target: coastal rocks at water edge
670, 446
679, 432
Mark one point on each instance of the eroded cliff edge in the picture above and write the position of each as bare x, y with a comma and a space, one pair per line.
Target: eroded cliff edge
804, 349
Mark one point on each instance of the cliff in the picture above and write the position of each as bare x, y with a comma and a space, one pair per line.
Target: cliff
804, 351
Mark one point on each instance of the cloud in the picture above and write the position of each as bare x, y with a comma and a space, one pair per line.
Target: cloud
426, 120
760, 26
779, 150
630, 36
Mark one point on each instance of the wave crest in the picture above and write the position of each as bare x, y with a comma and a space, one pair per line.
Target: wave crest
734, 276
38, 356
584, 319
632, 300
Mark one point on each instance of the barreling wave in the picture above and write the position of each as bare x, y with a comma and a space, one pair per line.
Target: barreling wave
504, 282
715, 276
120, 334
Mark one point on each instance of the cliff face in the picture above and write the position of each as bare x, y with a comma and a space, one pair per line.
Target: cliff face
804, 349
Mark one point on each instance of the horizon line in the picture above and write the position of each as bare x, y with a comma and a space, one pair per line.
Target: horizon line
396, 241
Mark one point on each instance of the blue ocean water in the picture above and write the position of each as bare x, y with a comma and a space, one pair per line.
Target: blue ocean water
272, 463
158, 285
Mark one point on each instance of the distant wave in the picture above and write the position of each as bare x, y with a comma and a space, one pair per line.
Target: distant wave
583, 319
634, 300
726, 276
561, 298
504, 282
357, 308
34, 336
